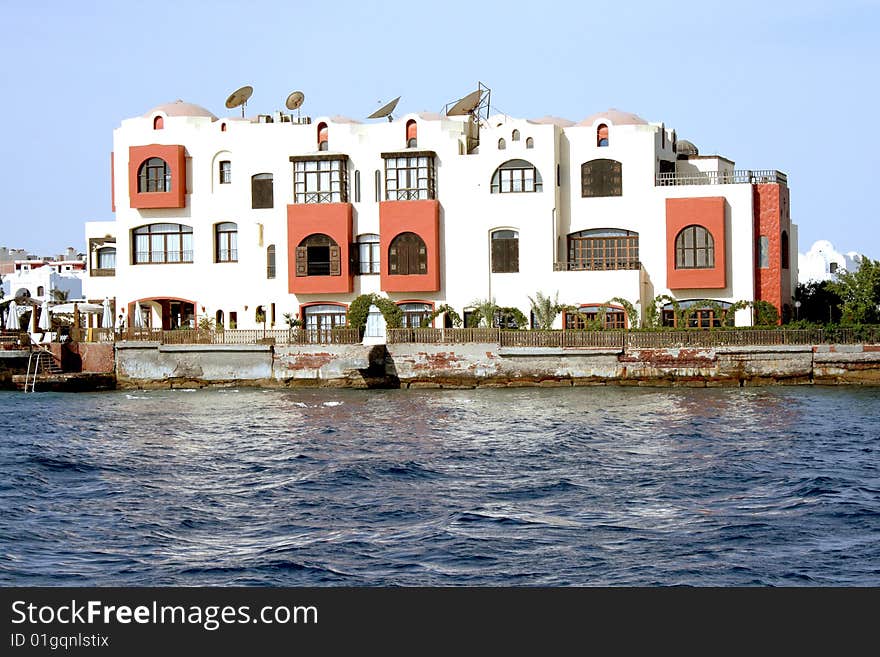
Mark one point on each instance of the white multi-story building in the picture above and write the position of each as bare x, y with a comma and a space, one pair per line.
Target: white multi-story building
40, 279
236, 218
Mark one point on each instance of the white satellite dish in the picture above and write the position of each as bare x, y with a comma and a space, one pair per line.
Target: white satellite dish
385, 110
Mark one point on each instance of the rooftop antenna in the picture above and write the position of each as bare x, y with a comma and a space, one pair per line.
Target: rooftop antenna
476, 106
294, 102
385, 110
239, 97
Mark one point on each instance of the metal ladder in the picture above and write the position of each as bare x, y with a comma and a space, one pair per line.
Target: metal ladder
35, 361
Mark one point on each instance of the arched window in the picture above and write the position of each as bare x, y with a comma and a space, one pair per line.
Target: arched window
270, 261
601, 178
222, 129
154, 175
318, 255
412, 137
414, 314
40, 290
407, 255
694, 248
260, 315
161, 243
319, 320
783, 247
218, 319
501, 144
262, 195
368, 254
158, 123
602, 135
505, 251
226, 242
107, 258
603, 249
514, 136
700, 313
530, 143
322, 136
614, 316
516, 176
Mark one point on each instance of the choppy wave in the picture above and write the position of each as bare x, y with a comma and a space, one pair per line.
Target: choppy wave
746, 487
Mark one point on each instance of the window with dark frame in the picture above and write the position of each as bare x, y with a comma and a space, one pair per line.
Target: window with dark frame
615, 318
516, 176
320, 181
318, 255
270, 261
505, 251
601, 178
162, 243
694, 248
262, 191
107, 257
320, 320
603, 249
414, 314
154, 175
407, 255
409, 178
226, 242
783, 250
225, 172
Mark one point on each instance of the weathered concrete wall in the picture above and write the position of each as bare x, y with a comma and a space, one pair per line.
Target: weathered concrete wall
150, 364
342, 365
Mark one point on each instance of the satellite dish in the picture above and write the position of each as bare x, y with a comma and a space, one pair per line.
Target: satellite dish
385, 110
466, 105
295, 100
239, 97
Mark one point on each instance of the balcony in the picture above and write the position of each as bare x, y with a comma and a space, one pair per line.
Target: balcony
597, 265
746, 176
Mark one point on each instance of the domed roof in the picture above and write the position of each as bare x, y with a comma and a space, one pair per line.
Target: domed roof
615, 117
180, 108
553, 120
685, 147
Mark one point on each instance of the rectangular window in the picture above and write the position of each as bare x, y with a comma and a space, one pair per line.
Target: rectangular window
764, 252
225, 172
262, 192
368, 257
409, 178
320, 181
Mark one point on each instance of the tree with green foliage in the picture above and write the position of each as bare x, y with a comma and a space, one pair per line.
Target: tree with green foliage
859, 292
545, 310
819, 303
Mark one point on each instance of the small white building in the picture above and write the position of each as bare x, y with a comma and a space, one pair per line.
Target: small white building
40, 279
237, 219
823, 261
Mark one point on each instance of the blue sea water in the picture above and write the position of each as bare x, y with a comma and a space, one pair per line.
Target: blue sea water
551, 487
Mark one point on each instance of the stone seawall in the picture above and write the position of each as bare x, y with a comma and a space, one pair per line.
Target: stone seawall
152, 365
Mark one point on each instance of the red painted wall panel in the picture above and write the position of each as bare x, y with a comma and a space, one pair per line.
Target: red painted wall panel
175, 157
771, 218
423, 219
708, 212
331, 219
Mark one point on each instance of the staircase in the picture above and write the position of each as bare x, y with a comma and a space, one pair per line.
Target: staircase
41, 361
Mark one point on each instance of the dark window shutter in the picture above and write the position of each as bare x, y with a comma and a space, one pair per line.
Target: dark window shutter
497, 256
335, 261
392, 260
261, 193
302, 260
423, 258
514, 255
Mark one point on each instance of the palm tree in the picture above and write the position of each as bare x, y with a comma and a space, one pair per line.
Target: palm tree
60, 295
545, 309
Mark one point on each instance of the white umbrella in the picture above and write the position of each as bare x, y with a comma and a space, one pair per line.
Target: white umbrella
12, 316
107, 317
81, 306
138, 316
45, 320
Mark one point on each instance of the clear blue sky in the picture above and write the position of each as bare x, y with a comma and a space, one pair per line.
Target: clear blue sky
779, 85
